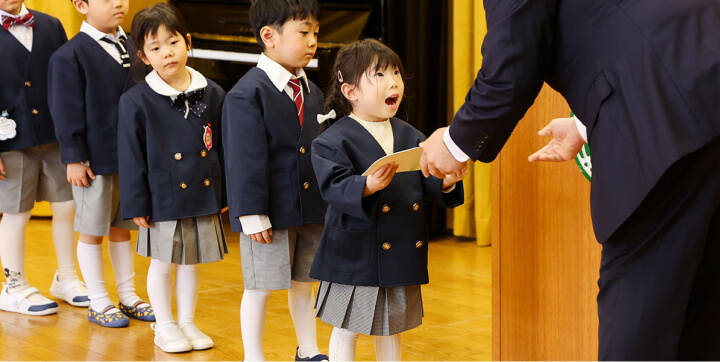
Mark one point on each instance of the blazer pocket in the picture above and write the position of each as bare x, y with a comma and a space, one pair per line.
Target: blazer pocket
282, 194
161, 190
599, 91
347, 251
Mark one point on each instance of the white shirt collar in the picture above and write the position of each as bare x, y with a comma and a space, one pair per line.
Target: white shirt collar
278, 75
96, 34
23, 11
157, 84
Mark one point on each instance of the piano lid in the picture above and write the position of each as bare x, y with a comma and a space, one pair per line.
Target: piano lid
224, 22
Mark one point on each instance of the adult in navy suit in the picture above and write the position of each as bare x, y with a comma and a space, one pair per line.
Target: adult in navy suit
644, 77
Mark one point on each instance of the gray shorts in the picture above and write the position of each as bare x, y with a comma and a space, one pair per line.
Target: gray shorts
289, 257
33, 174
97, 207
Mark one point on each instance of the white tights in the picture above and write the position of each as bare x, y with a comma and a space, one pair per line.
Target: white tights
343, 344
159, 286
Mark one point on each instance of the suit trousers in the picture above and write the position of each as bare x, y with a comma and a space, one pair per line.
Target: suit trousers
659, 280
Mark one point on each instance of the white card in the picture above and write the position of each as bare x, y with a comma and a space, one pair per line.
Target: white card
408, 160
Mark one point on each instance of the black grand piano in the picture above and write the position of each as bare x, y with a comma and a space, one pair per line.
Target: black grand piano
224, 48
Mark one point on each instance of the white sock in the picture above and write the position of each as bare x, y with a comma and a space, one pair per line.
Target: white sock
12, 252
301, 303
343, 344
159, 287
253, 309
90, 258
122, 258
186, 292
388, 348
64, 239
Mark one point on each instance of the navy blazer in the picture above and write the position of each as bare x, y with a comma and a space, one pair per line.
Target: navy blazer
378, 240
24, 82
166, 172
85, 86
267, 163
643, 75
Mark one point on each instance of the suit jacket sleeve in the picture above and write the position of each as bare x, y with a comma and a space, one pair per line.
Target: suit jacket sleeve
246, 156
339, 183
135, 198
516, 54
66, 99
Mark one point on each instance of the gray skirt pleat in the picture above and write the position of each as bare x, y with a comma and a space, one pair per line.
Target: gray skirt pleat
371, 311
195, 240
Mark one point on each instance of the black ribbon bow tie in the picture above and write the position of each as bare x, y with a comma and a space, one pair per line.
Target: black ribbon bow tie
194, 102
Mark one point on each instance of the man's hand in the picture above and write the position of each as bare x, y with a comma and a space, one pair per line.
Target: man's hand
564, 146
453, 178
380, 179
2, 170
262, 237
142, 221
436, 159
77, 174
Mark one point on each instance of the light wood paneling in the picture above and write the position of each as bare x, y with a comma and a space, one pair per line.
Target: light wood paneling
545, 256
456, 324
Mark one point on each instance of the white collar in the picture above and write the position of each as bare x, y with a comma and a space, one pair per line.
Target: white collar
157, 84
278, 75
96, 34
23, 11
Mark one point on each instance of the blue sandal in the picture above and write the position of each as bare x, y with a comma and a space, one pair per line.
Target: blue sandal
114, 320
145, 314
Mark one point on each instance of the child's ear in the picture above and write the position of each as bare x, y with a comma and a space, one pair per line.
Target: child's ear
189, 42
81, 6
142, 57
267, 34
349, 92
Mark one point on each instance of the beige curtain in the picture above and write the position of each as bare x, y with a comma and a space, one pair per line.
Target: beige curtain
473, 219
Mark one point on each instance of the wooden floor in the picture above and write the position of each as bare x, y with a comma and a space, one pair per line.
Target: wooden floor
457, 323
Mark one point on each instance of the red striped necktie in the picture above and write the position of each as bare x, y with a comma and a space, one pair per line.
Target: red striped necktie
298, 98
27, 20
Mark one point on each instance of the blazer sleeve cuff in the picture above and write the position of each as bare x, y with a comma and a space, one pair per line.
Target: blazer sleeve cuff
72, 152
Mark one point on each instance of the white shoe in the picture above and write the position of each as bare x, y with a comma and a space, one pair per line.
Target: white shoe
72, 291
18, 302
171, 339
198, 339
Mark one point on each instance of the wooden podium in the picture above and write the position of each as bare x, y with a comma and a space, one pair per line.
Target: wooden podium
545, 256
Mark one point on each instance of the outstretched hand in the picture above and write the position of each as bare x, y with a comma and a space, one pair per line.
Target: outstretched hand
564, 146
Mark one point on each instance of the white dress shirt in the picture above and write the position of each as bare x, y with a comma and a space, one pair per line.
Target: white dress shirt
24, 34
97, 35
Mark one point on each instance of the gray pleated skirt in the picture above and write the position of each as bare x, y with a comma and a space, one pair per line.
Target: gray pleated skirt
371, 311
195, 240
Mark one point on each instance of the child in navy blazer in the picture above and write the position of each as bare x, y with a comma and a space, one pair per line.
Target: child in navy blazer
87, 76
372, 257
269, 122
170, 159
30, 167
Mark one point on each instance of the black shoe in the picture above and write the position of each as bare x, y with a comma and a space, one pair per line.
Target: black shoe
317, 357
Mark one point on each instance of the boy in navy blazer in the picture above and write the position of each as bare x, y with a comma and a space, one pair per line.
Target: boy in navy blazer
30, 167
87, 76
269, 122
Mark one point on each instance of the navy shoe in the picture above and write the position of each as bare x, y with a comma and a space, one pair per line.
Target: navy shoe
317, 357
